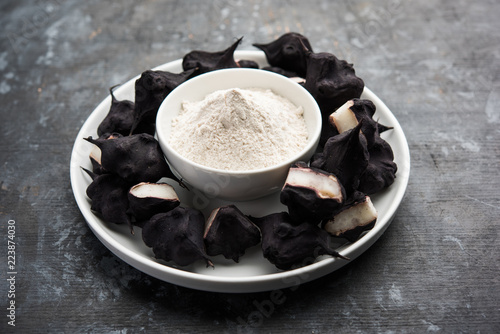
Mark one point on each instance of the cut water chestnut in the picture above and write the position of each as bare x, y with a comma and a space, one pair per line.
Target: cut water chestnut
177, 236
136, 158
311, 194
381, 169
206, 61
287, 245
229, 232
147, 199
353, 220
120, 117
288, 52
353, 111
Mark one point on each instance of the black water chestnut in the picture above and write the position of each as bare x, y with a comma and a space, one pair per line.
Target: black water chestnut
331, 81
95, 154
151, 89
206, 61
120, 117
288, 52
136, 158
108, 195
352, 220
353, 111
346, 156
177, 236
311, 194
381, 170
147, 199
229, 232
287, 245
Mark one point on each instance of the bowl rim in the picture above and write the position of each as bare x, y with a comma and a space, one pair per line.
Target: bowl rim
312, 141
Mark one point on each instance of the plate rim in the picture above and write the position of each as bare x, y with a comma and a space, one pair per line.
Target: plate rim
238, 284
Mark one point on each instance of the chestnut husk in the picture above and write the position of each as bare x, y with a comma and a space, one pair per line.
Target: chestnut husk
230, 233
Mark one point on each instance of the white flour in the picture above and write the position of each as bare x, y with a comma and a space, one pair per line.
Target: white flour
239, 129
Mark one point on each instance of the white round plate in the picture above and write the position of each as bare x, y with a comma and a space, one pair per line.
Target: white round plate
253, 273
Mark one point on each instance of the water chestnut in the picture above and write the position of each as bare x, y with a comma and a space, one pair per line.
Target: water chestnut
150, 90
311, 194
108, 195
135, 158
288, 52
147, 199
120, 117
381, 170
353, 220
177, 236
206, 61
229, 232
288, 245
346, 156
331, 81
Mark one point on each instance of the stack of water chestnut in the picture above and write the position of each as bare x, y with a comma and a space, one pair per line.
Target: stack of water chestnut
327, 197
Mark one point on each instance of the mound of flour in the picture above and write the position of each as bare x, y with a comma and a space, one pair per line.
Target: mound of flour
239, 129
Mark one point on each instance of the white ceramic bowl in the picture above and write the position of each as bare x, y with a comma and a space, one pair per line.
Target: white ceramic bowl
235, 185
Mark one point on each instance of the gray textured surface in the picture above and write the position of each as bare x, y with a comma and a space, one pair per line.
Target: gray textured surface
434, 63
